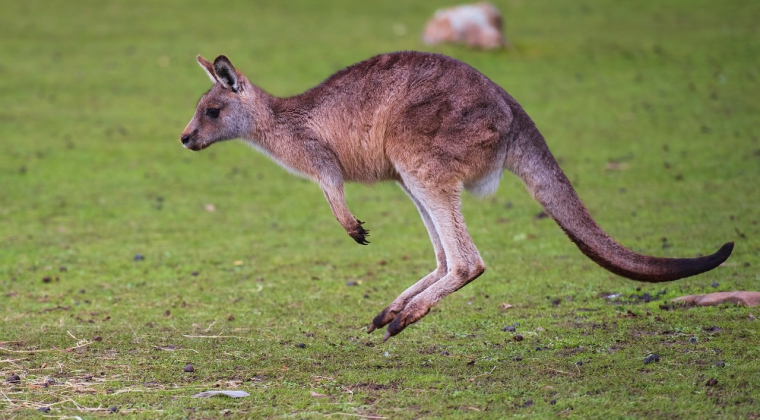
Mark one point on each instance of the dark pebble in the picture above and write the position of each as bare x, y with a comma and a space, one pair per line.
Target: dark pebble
651, 358
711, 382
527, 404
517, 358
14, 379
578, 363
508, 328
113, 409
720, 363
445, 353
715, 284
556, 302
693, 340
189, 368
301, 345
97, 338
351, 283
47, 279
518, 337
167, 313
139, 257
552, 402
43, 409
366, 296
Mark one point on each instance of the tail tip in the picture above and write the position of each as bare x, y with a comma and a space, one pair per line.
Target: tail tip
724, 252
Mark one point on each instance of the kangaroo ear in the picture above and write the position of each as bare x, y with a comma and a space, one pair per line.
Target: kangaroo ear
208, 67
225, 73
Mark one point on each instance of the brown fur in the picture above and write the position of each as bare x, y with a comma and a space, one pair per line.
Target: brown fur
435, 126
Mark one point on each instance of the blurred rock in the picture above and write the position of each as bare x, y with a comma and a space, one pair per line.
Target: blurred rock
478, 25
712, 299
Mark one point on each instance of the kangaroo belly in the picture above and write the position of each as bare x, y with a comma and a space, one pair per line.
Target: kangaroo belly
485, 186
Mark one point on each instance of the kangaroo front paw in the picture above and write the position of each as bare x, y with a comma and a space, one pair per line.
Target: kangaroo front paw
359, 233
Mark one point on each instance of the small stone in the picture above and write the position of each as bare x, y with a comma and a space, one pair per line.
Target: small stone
517, 358
518, 337
579, 363
553, 402
652, 358
167, 313
113, 409
508, 328
230, 317
301, 345
720, 363
44, 409
189, 368
14, 379
47, 279
139, 257
693, 340
715, 284
366, 296
711, 382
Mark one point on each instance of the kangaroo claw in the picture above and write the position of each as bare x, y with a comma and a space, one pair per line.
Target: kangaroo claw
359, 234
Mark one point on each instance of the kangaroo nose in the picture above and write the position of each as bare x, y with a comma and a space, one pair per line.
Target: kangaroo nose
185, 139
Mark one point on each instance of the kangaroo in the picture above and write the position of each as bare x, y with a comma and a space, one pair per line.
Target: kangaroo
435, 126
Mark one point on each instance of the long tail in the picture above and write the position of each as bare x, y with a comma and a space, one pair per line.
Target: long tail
531, 160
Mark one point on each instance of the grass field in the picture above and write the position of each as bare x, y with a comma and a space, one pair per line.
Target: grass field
651, 107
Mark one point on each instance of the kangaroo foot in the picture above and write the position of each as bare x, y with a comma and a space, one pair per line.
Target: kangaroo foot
383, 318
411, 314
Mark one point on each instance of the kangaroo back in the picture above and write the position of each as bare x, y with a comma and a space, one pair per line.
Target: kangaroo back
530, 159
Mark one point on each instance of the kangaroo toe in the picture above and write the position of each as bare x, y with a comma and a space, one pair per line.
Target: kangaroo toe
383, 318
411, 314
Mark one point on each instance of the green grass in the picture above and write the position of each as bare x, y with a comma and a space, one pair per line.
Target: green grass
94, 95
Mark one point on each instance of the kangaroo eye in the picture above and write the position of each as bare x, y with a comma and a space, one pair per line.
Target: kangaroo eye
212, 112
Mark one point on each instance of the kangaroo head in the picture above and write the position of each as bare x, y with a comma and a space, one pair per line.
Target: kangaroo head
221, 112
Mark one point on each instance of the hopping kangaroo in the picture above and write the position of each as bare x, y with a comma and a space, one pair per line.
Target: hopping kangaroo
432, 124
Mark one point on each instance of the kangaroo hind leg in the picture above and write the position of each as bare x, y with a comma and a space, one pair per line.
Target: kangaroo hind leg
389, 313
463, 263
